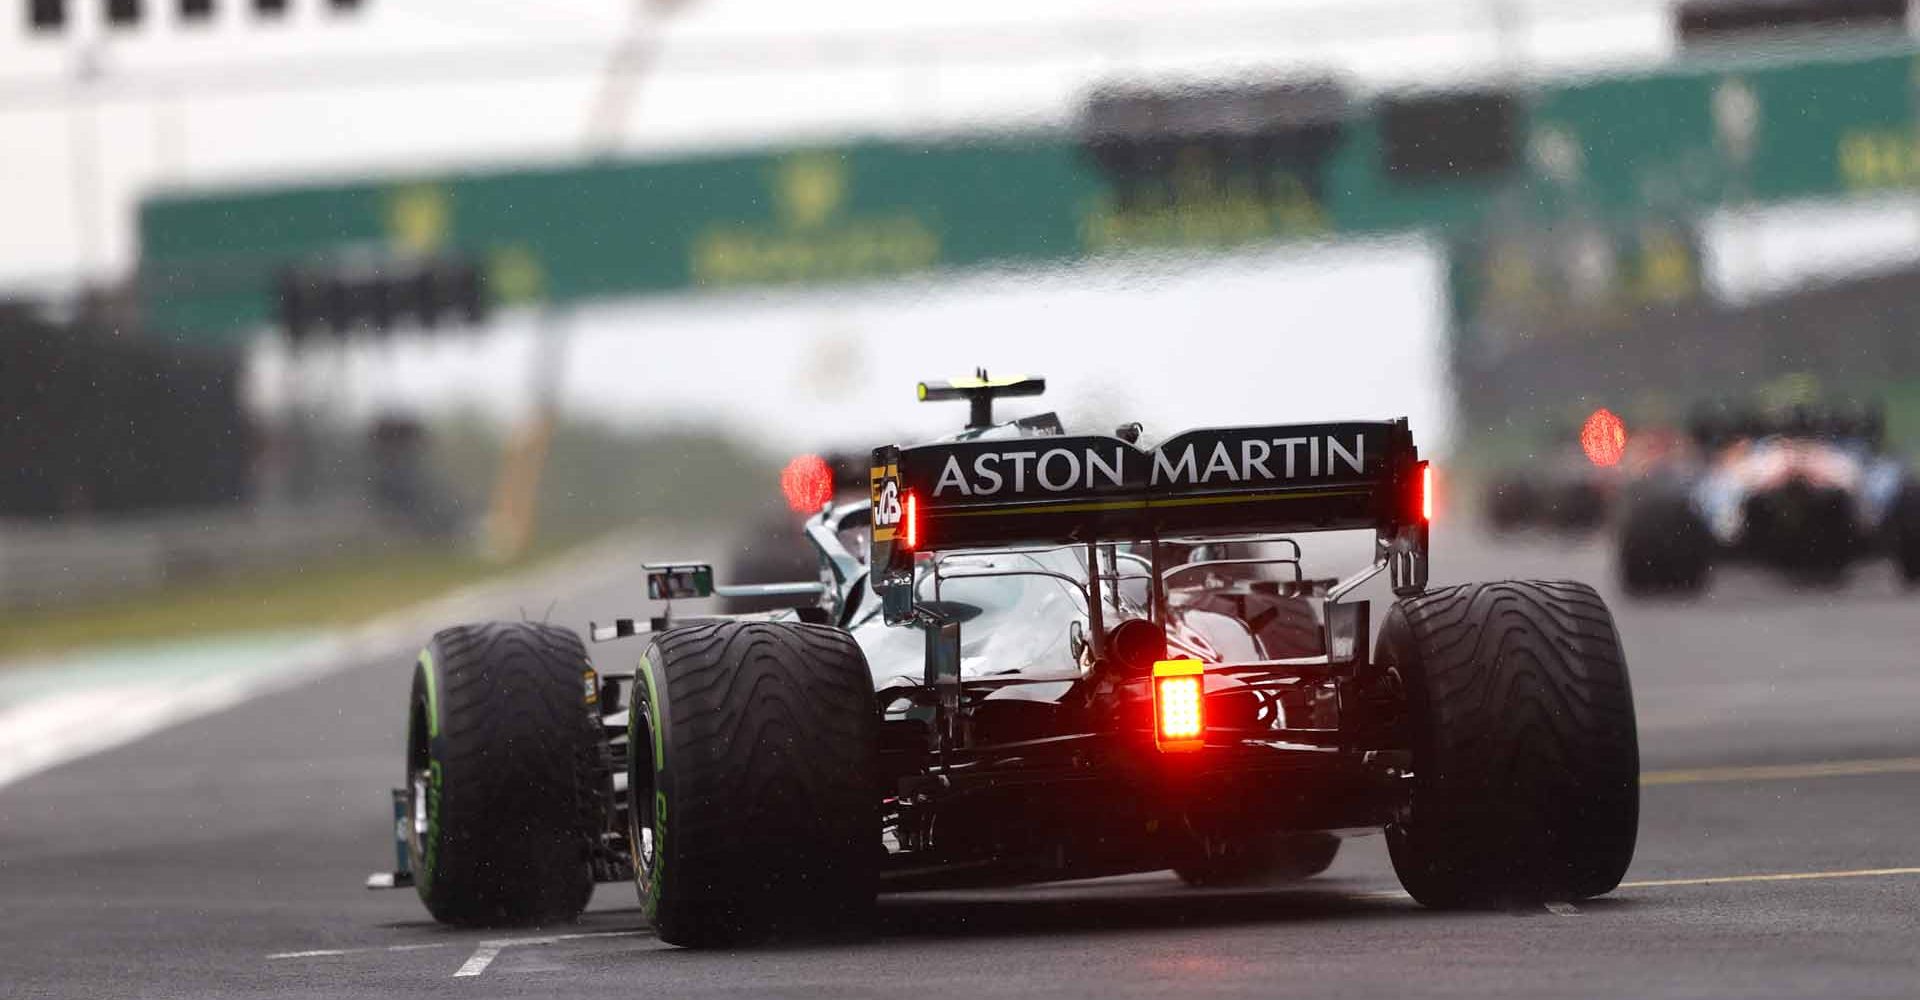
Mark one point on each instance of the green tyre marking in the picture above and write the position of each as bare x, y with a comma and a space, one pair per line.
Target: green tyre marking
652, 908
430, 841
653, 698
430, 846
650, 903
433, 693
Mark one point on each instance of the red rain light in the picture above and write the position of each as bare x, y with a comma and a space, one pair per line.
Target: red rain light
1604, 438
1426, 492
807, 483
1179, 705
911, 527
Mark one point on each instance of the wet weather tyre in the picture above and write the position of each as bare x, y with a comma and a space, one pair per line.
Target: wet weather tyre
1581, 506
1665, 548
1526, 763
1808, 534
755, 806
1510, 504
1284, 858
506, 766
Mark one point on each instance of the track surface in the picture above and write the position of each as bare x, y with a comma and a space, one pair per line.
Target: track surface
224, 858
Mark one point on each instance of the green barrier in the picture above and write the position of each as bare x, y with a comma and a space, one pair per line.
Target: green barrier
1674, 142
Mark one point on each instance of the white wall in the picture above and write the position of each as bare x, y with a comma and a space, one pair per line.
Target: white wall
1351, 330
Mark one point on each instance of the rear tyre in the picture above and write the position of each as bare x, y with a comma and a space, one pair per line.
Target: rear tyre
1665, 547
1267, 861
755, 803
1511, 504
1807, 533
1580, 506
505, 762
1526, 762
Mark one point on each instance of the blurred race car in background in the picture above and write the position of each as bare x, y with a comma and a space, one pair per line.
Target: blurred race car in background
1561, 491
771, 547
1809, 490
1573, 485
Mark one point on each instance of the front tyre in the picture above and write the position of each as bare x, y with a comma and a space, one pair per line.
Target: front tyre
755, 807
1526, 761
505, 771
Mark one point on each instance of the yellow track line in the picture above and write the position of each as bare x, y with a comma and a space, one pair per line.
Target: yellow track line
1661, 883
1783, 772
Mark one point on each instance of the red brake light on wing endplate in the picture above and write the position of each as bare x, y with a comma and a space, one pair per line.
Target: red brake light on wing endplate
1416, 504
911, 518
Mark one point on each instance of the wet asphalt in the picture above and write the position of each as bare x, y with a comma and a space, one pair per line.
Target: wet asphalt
1779, 854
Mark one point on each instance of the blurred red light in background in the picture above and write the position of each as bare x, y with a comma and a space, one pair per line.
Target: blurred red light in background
807, 483
1604, 438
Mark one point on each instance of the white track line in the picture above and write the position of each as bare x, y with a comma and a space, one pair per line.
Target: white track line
334, 952
483, 956
496, 944
557, 938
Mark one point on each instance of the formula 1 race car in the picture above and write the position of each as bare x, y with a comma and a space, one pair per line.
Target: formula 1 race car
1573, 483
1045, 669
1565, 493
771, 547
1568, 484
1809, 492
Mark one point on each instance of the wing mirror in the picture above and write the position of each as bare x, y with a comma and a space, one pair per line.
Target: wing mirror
692, 581
679, 581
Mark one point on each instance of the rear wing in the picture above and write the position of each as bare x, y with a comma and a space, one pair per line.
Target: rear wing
980, 391
1215, 481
